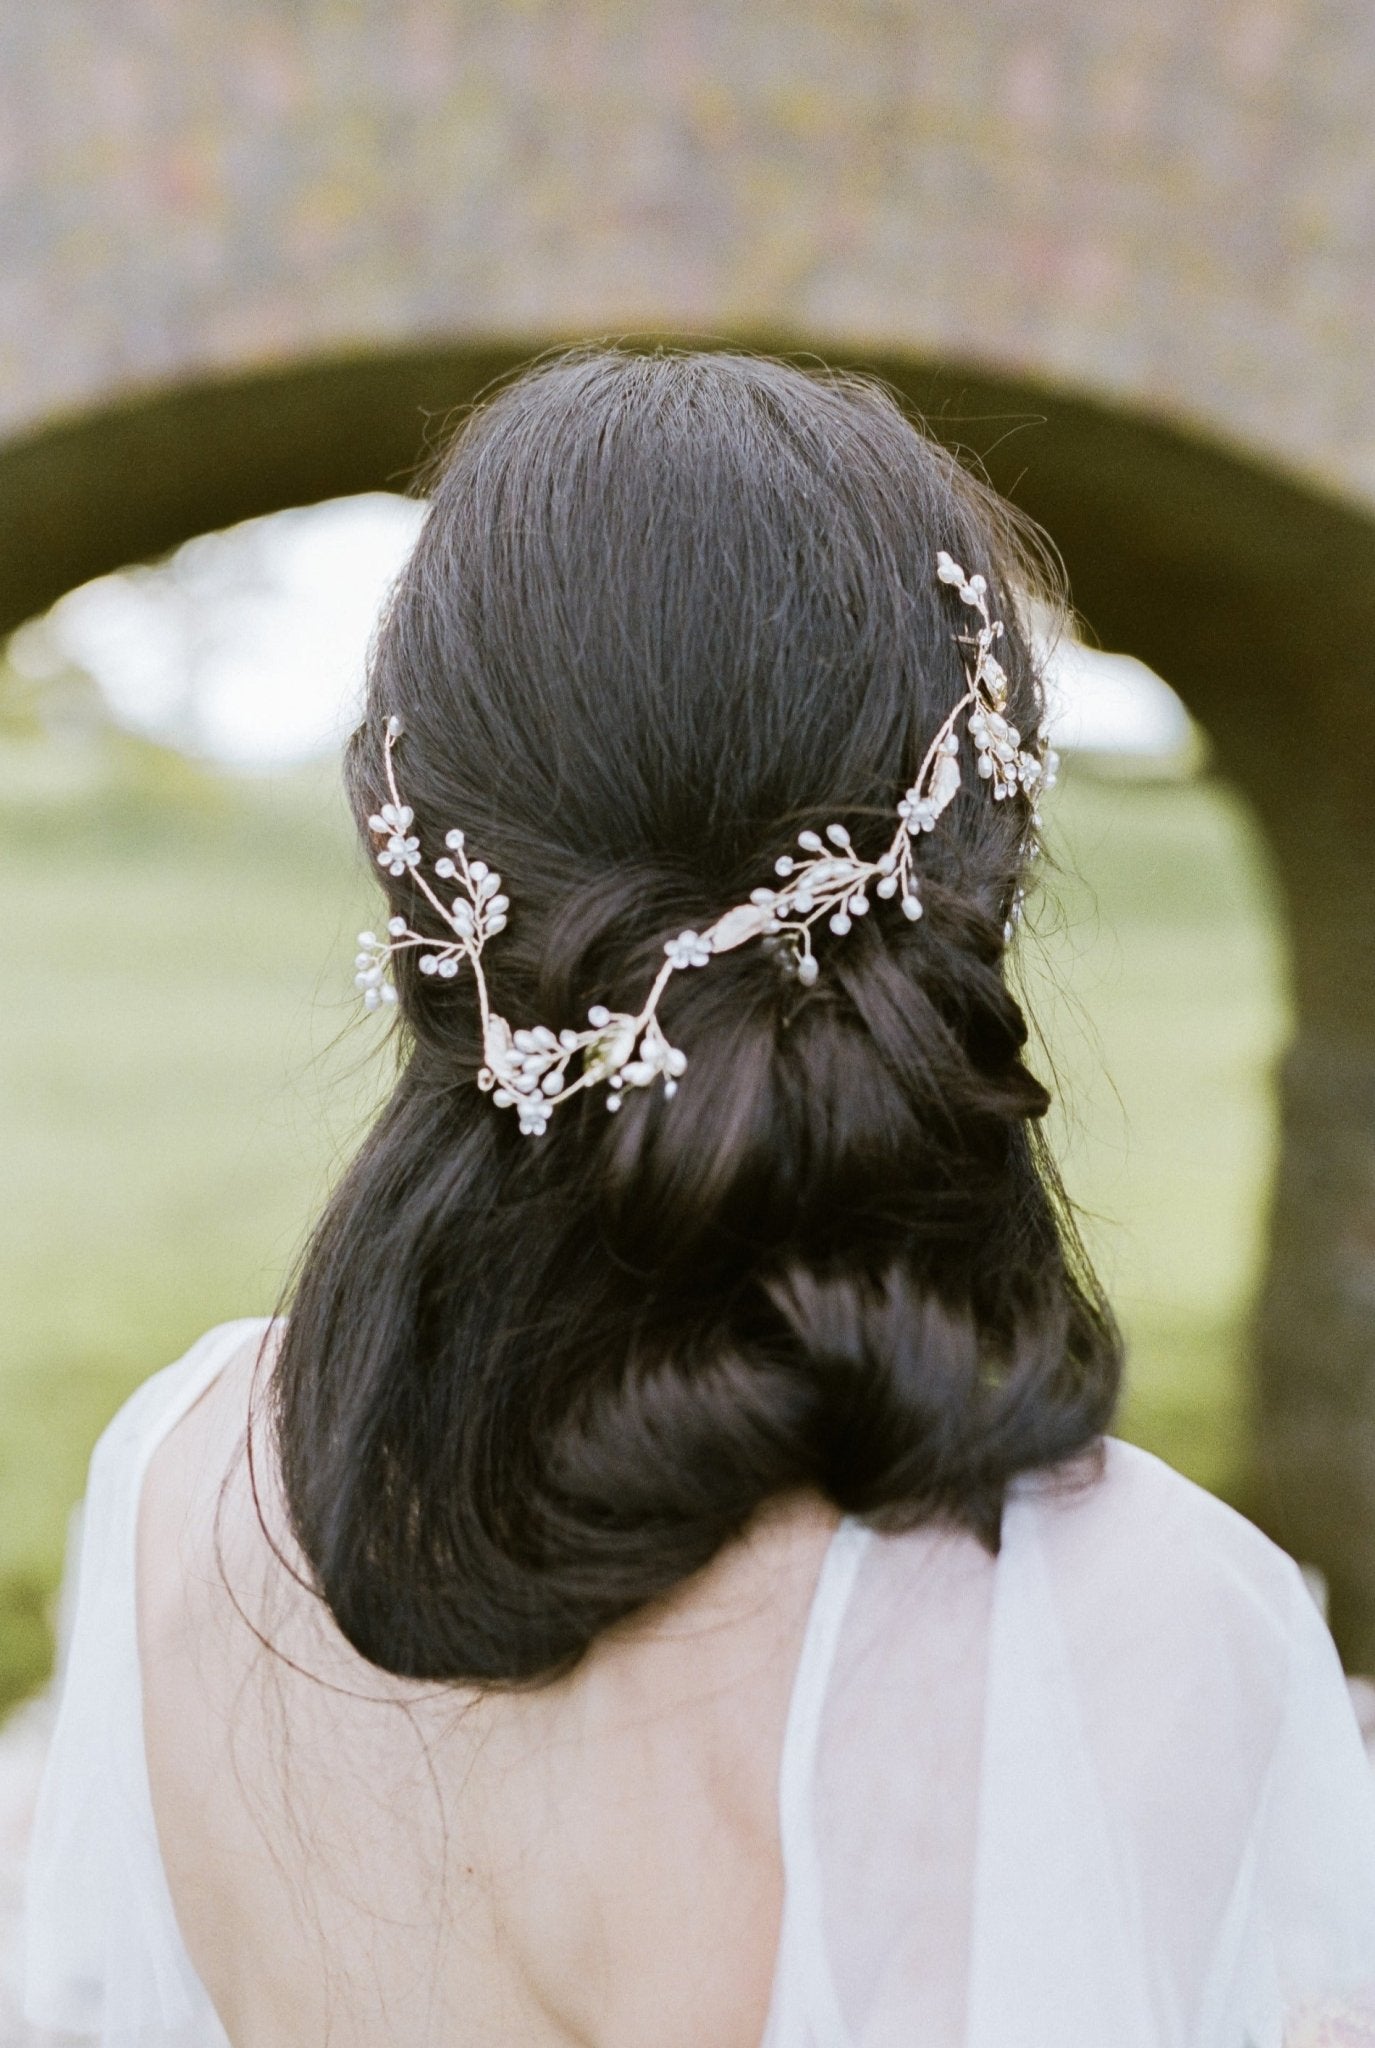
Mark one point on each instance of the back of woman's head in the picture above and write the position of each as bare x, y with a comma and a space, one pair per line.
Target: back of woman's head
665, 611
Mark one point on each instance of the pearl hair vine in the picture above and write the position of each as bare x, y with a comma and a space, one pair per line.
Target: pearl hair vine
528, 1069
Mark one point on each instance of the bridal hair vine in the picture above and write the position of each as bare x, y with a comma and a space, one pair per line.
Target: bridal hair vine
528, 1070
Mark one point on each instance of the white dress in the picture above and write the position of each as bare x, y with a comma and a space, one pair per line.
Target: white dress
1107, 1792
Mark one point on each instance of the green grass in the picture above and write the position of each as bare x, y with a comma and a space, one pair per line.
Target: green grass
181, 1074
174, 1093
1159, 981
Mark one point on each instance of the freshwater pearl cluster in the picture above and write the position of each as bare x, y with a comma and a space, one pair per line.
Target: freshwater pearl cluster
528, 1070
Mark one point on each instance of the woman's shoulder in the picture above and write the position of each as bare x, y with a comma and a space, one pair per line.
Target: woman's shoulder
198, 1494
1116, 1548
159, 1402
1168, 1512
1137, 1549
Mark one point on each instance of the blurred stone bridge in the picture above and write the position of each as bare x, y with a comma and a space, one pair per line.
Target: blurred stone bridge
253, 255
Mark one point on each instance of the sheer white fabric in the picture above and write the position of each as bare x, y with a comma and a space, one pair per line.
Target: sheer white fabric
1106, 1791
103, 1956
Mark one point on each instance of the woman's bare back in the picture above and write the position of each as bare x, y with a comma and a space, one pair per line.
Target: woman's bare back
367, 1860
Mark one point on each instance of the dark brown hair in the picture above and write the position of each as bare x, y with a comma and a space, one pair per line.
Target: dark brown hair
665, 610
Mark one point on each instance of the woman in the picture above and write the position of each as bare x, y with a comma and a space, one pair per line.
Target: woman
667, 1582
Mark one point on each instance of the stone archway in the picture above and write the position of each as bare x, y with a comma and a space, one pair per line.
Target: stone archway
1253, 593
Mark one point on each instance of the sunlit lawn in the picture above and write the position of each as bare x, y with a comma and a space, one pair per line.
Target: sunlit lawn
1161, 984
180, 1074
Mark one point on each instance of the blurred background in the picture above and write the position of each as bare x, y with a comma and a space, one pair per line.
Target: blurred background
254, 260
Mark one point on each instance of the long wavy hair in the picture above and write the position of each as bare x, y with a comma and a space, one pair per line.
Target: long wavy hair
667, 608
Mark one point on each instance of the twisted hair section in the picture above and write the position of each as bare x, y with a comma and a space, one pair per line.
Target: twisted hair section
667, 610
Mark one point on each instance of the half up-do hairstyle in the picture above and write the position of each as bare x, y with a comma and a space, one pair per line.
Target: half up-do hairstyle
667, 609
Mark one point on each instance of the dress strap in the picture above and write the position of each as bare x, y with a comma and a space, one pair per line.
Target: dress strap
103, 1955
805, 2005
830, 1599
155, 1409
